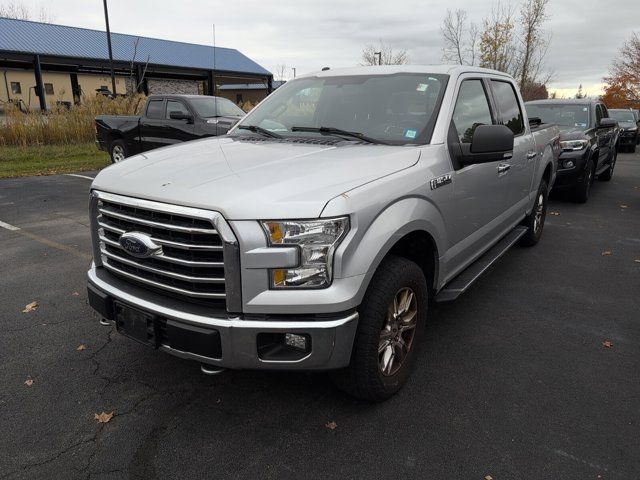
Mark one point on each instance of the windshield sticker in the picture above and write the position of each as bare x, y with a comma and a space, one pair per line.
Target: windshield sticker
585, 109
422, 87
410, 133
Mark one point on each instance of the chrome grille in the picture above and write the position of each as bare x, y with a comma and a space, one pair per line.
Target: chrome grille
191, 263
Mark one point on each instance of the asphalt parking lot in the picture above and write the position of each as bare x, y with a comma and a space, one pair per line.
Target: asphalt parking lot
515, 380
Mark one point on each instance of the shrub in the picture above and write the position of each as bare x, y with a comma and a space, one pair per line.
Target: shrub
61, 125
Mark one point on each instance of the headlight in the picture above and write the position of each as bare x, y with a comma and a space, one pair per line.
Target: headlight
574, 144
317, 241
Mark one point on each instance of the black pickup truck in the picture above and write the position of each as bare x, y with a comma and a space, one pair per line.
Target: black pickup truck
167, 119
588, 138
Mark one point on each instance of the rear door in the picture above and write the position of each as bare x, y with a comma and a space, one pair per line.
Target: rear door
480, 190
152, 130
521, 166
607, 136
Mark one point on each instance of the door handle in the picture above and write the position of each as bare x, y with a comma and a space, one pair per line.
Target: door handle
531, 155
503, 167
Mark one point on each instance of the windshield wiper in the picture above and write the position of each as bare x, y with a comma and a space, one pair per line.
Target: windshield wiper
338, 131
260, 130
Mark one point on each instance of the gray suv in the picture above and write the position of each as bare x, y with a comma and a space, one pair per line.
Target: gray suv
316, 233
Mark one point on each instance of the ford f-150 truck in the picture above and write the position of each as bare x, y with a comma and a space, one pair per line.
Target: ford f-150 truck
315, 235
167, 119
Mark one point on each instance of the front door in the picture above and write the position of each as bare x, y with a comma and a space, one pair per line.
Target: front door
177, 131
152, 131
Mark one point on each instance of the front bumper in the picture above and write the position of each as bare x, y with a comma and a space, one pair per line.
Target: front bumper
570, 177
628, 139
240, 347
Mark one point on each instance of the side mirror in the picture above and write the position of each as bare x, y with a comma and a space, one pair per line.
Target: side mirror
180, 116
607, 123
490, 143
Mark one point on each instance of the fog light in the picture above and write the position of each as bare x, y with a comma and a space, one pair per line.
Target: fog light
569, 164
297, 341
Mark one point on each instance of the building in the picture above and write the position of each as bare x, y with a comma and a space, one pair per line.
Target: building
247, 92
44, 64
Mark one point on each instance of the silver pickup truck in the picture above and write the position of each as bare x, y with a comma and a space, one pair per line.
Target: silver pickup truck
316, 233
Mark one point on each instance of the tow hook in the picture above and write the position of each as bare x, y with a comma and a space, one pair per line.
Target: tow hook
209, 370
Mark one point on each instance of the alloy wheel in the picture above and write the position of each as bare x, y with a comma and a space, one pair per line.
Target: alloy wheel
117, 154
398, 331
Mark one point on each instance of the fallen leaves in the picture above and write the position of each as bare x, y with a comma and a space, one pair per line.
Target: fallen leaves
103, 417
555, 214
29, 382
30, 307
331, 425
75, 294
488, 477
622, 205
637, 260
607, 344
81, 347
606, 253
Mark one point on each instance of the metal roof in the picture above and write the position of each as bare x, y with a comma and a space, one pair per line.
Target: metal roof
250, 86
22, 36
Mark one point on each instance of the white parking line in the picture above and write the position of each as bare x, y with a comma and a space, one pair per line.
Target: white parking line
8, 226
79, 176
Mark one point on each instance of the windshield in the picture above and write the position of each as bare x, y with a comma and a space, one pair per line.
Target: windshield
206, 107
622, 115
563, 115
395, 109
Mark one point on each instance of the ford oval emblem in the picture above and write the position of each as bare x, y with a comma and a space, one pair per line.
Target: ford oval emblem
139, 245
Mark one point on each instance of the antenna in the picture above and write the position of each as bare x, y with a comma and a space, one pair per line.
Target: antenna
213, 76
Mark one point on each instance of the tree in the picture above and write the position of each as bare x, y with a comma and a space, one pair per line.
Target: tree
388, 56
533, 43
497, 50
623, 82
580, 94
19, 11
534, 91
460, 40
281, 72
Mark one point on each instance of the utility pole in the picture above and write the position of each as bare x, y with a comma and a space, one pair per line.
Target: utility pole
379, 54
113, 77
294, 71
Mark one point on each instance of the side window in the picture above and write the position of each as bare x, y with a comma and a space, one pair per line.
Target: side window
508, 105
175, 106
605, 112
471, 110
598, 114
154, 109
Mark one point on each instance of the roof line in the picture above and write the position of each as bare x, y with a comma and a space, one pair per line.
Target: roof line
117, 33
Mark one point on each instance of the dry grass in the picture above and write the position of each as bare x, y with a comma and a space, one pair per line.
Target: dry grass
62, 126
50, 159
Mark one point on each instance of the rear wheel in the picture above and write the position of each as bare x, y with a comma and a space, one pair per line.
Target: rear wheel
582, 189
391, 325
118, 151
535, 221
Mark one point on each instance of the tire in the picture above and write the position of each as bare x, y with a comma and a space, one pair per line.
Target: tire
632, 148
535, 220
118, 151
364, 377
608, 174
582, 190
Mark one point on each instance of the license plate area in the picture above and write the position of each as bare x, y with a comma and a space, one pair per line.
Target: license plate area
136, 324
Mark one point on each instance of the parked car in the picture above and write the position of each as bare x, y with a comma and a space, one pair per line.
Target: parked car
588, 137
316, 233
167, 119
628, 123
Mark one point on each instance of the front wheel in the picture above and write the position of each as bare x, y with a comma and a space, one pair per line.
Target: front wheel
608, 174
583, 189
535, 220
391, 325
118, 151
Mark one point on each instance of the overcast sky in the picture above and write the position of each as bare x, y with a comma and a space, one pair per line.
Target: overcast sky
308, 35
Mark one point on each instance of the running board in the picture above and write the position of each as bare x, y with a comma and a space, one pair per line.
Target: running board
464, 280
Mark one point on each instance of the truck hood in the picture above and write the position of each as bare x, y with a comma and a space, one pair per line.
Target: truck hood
253, 179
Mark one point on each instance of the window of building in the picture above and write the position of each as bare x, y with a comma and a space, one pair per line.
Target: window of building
48, 88
16, 89
238, 98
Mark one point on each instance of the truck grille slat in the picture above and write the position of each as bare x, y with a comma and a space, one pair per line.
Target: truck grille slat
189, 266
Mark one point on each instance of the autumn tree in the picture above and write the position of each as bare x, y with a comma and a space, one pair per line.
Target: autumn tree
533, 43
387, 55
623, 82
534, 91
497, 48
460, 38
